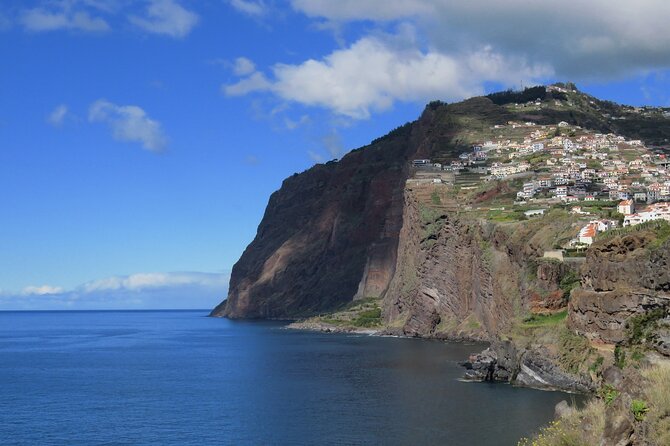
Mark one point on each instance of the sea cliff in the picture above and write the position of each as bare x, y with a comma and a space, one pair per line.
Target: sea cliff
482, 220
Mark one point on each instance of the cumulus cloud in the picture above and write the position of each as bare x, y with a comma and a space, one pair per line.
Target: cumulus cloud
373, 73
137, 291
250, 7
454, 49
62, 17
578, 39
129, 123
166, 17
58, 115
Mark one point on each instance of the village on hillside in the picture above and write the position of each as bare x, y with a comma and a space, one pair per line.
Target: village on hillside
563, 165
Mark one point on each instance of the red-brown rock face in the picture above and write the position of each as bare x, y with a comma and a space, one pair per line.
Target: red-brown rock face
450, 280
328, 236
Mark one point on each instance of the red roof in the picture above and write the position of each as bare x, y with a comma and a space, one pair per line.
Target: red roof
589, 230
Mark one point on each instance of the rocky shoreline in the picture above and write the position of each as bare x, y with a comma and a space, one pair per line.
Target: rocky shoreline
330, 328
501, 362
504, 362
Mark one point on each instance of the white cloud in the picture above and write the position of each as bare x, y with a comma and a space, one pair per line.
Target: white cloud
419, 50
62, 17
250, 7
58, 115
146, 281
136, 291
243, 66
578, 39
373, 73
346, 10
254, 82
129, 123
166, 17
41, 290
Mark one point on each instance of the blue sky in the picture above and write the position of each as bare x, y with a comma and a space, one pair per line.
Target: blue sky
140, 139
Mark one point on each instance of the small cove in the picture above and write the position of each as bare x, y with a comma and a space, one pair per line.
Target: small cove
178, 377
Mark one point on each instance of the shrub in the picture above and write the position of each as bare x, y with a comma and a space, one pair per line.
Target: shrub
640, 328
574, 351
608, 394
639, 409
619, 357
597, 364
568, 282
368, 318
511, 96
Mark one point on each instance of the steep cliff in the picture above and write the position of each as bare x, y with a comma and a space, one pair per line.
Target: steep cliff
356, 228
623, 276
450, 280
330, 234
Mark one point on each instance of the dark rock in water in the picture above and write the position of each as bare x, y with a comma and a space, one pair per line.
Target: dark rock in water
481, 366
536, 370
496, 363
503, 362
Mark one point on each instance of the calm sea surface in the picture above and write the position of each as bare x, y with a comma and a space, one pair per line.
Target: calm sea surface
180, 378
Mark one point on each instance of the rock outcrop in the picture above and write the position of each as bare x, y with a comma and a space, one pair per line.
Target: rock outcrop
505, 362
450, 280
621, 277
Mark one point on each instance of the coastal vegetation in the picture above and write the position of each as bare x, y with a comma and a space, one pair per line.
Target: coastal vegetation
648, 415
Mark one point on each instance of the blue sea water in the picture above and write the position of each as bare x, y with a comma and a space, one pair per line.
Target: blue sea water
180, 378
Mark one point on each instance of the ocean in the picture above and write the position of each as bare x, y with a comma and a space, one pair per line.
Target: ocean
181, 378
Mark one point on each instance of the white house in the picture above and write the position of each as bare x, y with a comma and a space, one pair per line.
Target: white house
588, 233
626, 207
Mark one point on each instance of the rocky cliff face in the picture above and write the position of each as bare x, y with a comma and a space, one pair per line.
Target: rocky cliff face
450, 280
327, 235
330, 234
354, 229
621, 277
